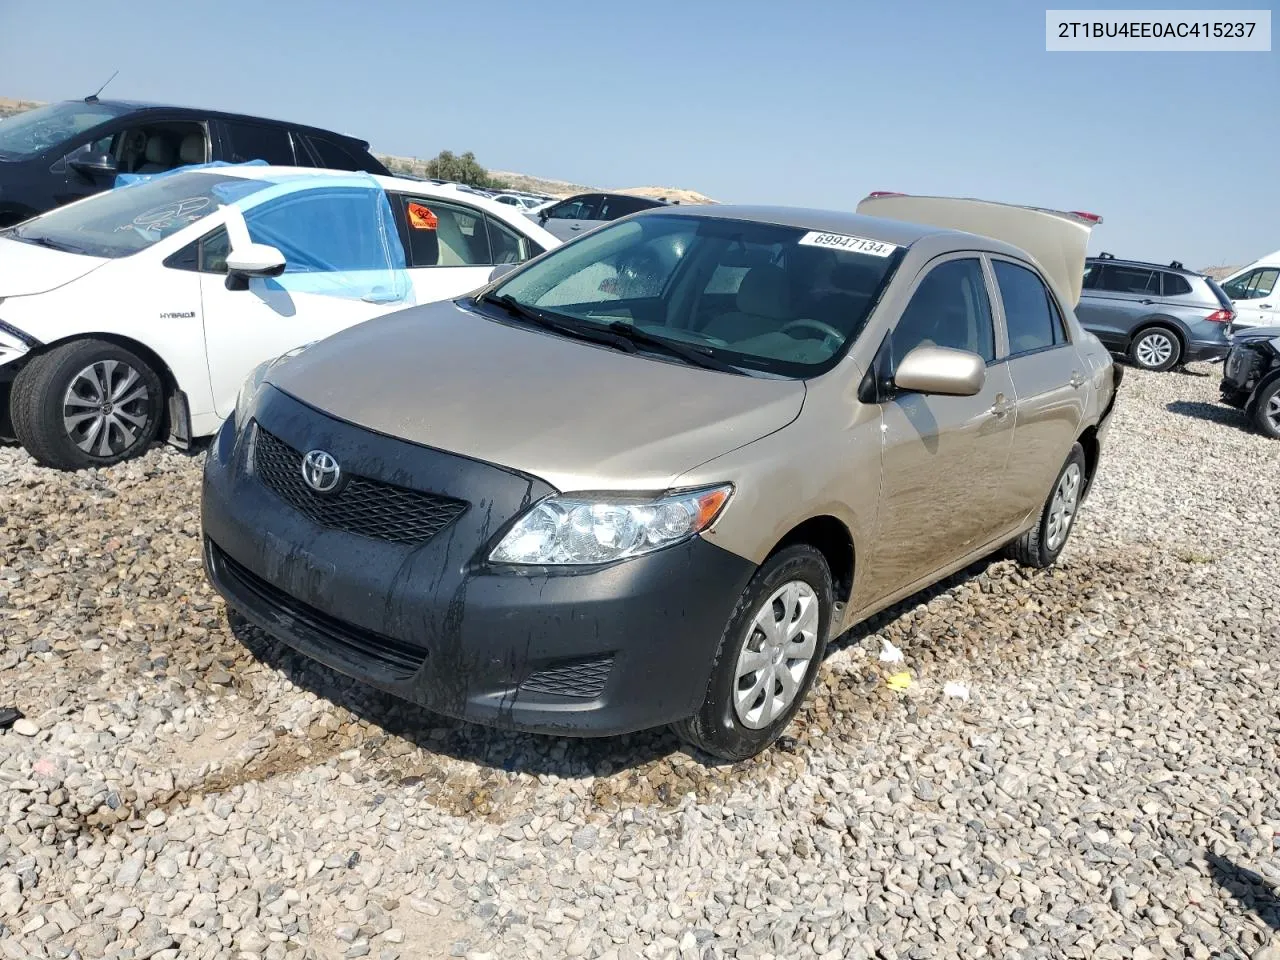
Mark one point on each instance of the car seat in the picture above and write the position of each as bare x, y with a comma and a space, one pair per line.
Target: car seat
763, 306
192, 149
160, 155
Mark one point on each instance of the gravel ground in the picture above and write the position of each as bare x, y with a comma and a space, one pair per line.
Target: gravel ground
184, 787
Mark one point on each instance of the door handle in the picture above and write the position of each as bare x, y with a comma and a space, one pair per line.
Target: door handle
1265, 306
1146, 301
1000, 409
1076, 380
576, 227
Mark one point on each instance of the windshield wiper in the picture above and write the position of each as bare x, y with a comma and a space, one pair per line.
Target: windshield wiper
566, 327
690, 353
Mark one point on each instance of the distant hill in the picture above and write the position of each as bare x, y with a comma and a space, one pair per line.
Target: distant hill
1219, 273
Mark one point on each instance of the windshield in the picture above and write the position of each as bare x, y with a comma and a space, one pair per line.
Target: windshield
128, 219
31, 133
762, 297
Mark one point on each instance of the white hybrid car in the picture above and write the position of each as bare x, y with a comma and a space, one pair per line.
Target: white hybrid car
137, 313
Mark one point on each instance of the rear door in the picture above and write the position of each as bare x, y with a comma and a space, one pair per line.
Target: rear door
1048, 383
1116, 298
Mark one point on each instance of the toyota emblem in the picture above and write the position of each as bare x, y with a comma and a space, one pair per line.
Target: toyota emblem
321, 471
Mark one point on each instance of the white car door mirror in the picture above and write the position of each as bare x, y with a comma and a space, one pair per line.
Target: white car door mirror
941, 370
255, 260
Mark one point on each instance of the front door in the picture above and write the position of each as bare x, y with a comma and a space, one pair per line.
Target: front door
1049, 382
1255, 297
337, 275
943, 457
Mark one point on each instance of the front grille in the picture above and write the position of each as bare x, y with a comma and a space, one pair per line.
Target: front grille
582, 679
368, 508
366, 644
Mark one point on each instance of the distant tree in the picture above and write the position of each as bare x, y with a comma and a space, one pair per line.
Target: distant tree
460, 169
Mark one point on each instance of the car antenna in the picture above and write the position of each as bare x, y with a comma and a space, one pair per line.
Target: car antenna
93, 97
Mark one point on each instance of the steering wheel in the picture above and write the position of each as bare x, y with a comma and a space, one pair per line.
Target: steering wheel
828, 332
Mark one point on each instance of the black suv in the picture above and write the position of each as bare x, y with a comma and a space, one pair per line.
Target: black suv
64, 151
1160, 314
1251, 377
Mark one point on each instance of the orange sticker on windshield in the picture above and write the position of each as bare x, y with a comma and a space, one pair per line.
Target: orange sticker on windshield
421, 218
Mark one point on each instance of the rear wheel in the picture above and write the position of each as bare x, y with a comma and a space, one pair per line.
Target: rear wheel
1041, 545
769, 653
1156, 348
89, 403
1266, 410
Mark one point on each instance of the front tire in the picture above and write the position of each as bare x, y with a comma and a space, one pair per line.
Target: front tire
88, 403
1266, 410
1040, 546
1156, 349
769, 653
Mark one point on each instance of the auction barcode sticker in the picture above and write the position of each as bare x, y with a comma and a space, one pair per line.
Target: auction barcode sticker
841, 241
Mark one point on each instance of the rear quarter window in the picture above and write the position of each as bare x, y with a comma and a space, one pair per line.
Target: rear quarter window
1175, 285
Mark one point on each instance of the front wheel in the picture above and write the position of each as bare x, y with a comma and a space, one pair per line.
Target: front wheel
769, 653
88, 403
1266, 410
1156, 348
1041, 545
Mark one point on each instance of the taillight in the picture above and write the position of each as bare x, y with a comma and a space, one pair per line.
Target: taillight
1221, 316
1091, 217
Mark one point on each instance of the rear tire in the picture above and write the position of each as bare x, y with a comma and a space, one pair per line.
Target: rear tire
1040, 546
88, 403
1156, 349
761, 676
1266, 410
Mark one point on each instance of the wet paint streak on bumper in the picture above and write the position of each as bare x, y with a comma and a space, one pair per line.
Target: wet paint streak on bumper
602, 651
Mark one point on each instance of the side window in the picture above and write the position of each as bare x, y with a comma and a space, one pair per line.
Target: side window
258, 141
578, 209
1028, 309
612, 207
950, 308
321, 231
1119, 279
206, 255
1174, 285
506, 245
331, 154
442, 234
1253, 285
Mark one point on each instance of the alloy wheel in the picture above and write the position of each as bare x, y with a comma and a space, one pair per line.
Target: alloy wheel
1155, 349
774, 659
1272, 413
105, 408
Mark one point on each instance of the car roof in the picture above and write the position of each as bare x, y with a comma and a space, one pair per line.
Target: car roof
898, 232
440, 191
139, 106
1174, 267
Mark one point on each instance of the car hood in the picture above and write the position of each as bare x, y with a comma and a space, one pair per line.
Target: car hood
578, 416
1245, 334
26, 268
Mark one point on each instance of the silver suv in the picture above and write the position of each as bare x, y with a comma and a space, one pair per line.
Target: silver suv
1161, 315
642, 479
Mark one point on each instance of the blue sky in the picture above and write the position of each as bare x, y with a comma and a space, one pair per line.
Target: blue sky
807, 102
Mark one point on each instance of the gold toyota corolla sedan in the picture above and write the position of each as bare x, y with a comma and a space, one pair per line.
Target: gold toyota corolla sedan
643, 478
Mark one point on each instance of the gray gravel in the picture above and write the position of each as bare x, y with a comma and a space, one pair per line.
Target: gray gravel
186, 788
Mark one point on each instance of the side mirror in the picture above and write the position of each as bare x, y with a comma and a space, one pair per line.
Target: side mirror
94, 165
941, 370
501, 270
255, 260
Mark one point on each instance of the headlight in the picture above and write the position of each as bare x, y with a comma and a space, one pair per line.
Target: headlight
588, 529
249, 389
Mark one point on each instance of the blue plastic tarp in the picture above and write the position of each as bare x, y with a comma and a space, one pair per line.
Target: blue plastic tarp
336, 231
